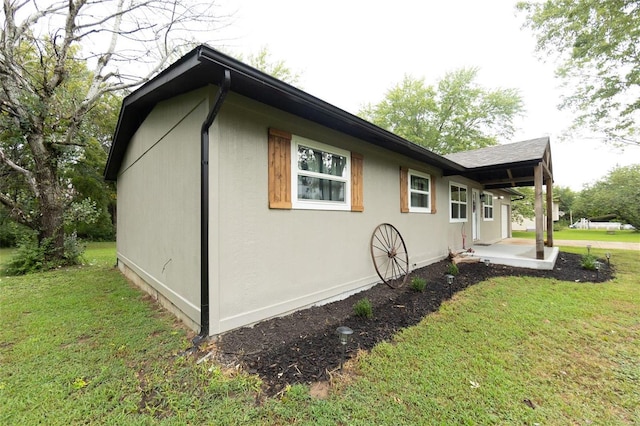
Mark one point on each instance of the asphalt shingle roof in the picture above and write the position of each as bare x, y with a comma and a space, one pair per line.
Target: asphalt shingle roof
516, 152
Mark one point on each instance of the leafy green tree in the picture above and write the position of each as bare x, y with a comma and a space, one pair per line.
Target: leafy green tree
565, 197
596, 42
85, 176
523, 208
454, 115
60, 61
264, 61
618, 195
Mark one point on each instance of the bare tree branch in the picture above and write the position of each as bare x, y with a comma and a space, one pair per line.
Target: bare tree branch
59, 59
24, 172
15, 211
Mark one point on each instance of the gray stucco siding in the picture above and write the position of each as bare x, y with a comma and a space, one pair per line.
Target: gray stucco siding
158, 201
269, 262
263, 262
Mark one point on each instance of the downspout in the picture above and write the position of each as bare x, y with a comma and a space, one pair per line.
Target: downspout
204, 208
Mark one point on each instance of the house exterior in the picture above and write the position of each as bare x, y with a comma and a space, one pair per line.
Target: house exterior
241, 198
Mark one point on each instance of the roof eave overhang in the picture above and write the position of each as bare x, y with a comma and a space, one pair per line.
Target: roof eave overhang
204, 66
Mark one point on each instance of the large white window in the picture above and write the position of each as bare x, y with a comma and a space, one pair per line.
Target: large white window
488, 206
457, 202
321, 176
419, 192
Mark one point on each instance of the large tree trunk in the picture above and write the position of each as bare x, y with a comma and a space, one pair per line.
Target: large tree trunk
52, 223
50, 197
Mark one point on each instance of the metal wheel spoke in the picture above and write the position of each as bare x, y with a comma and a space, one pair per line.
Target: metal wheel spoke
382, 237
384, 249
386, 271
389, 255
401, 268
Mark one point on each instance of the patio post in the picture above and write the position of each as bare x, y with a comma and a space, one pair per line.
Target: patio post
537, 180
549, 184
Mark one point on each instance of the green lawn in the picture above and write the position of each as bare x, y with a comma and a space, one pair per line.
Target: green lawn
623, 236
80, 345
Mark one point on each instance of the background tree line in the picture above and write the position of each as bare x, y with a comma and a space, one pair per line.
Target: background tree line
65, 65
614, 198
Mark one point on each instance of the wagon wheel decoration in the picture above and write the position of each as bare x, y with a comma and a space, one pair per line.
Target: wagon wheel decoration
389, 255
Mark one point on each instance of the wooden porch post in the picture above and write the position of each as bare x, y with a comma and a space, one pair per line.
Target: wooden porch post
549, 184
537, 180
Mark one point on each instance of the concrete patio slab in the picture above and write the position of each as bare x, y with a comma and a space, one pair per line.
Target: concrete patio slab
519, 255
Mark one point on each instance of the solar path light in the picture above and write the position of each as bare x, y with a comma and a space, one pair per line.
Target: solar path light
450, 283
608, 255
344, 333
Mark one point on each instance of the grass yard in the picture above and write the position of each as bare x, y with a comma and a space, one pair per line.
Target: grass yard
81, 346
622, 236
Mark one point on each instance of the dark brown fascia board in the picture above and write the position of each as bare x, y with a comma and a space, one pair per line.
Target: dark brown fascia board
503, 166
261, 87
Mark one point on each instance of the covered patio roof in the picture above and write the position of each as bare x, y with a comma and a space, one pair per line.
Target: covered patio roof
509, 165
526, 163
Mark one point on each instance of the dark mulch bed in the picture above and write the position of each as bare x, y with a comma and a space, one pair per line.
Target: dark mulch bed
303, 347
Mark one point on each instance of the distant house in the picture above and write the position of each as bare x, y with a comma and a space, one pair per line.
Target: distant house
242, 198
527, 224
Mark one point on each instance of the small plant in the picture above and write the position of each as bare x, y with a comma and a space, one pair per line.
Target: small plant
453, 269
363, 308
588, 262
32, 256
73, 249
418, 284
29, 257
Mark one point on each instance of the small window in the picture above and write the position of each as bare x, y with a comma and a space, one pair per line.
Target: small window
419, 192
488, 205
458, 202
322, 176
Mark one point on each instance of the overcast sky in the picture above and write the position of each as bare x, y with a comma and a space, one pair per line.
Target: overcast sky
350, 52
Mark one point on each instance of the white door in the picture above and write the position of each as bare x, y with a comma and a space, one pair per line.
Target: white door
505, 218
476, 206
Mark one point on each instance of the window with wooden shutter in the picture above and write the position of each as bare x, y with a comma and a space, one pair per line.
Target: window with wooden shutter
417, 192
357, 193
279, 169
404, 190
305, 174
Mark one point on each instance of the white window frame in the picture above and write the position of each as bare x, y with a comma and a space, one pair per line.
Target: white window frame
460, 203
416, 209
489, 206
295, 172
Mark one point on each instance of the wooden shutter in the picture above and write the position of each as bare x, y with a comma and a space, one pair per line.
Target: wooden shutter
404, 190
433, 193
357, 193
279, 169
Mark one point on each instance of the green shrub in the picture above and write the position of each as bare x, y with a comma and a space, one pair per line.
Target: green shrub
588, 262
29, 257
453, 269
73, 249
32, 257
10, 232
418, 284
363, 308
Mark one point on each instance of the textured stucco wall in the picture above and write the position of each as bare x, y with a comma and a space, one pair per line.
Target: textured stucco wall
159, 199
263, 262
